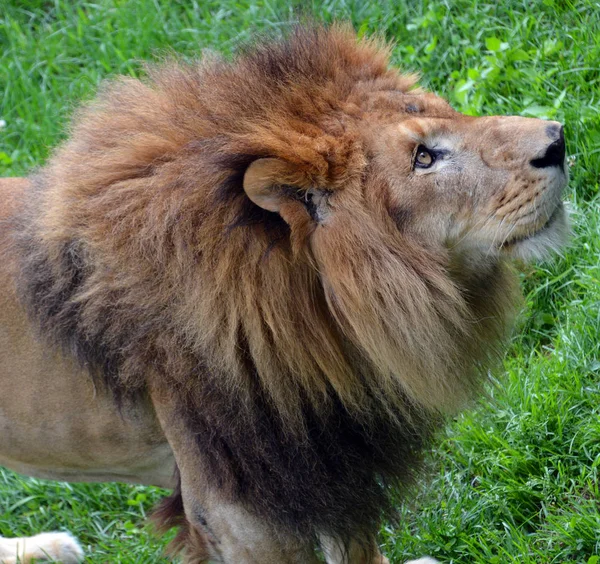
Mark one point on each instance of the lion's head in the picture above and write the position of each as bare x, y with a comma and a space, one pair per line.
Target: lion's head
480, 188
307, 249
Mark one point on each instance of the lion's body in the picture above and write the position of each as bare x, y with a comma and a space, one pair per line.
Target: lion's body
54, 424
292, 265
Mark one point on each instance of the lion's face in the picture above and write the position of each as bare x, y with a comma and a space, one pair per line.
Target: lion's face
491, 185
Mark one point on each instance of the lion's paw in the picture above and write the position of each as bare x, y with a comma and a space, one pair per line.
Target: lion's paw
46, 547
424, 560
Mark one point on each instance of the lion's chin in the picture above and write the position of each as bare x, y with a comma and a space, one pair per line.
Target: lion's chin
544, 242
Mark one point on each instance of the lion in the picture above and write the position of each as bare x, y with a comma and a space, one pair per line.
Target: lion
265, 283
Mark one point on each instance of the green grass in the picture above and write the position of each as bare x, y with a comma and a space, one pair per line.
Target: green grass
516, 479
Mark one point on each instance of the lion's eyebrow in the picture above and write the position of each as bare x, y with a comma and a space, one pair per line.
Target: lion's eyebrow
412, 134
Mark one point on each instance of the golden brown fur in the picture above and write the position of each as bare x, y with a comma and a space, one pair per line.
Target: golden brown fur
248, 242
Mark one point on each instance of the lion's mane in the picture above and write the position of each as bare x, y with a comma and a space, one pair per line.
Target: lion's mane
310, 364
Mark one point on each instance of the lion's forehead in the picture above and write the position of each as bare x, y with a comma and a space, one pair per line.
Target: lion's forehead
409, 131
495, 138
393, 105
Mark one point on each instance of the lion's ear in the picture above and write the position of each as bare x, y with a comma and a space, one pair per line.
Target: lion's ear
287, 189
272, 183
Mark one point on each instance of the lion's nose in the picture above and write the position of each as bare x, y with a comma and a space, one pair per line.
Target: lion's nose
555, 152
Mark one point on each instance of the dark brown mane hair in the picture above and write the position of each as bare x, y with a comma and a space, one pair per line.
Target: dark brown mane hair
311, 364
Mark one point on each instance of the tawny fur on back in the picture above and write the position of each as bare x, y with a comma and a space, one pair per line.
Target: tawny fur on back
143, 256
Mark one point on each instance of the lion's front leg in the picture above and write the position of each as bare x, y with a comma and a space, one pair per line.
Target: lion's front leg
216, 529
59, 547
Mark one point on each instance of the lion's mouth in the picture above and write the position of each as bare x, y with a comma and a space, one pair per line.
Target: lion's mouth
543, 242
556, 214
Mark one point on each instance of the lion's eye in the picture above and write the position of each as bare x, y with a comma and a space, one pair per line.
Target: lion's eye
424, 158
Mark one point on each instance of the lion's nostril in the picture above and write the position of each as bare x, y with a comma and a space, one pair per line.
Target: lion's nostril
554, 131
555, 153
